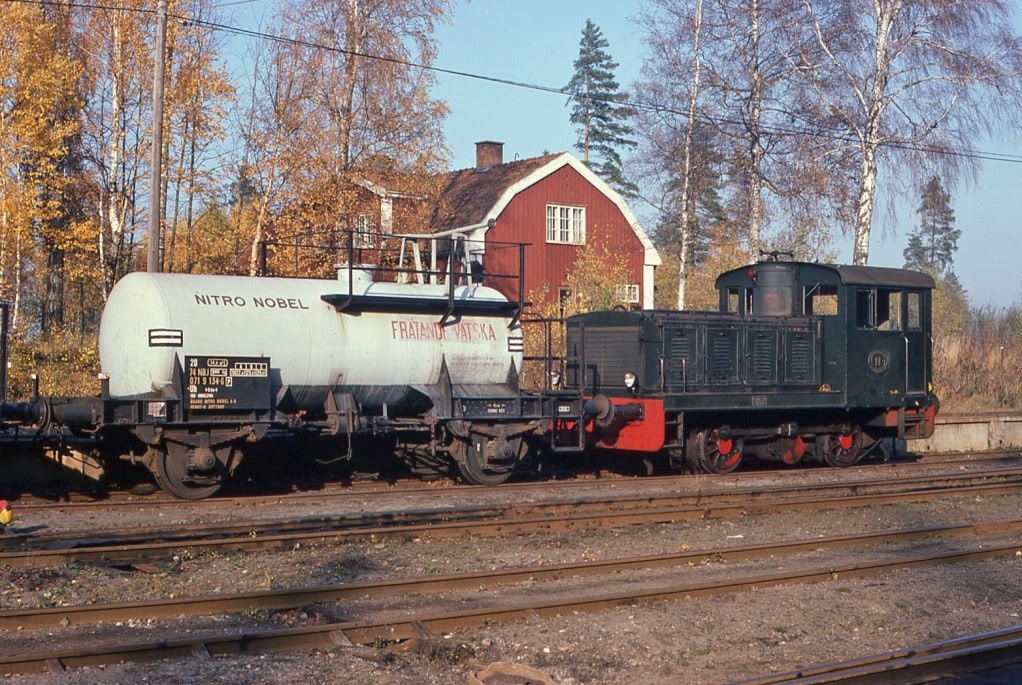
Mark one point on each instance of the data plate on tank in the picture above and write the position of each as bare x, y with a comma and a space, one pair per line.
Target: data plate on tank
230, 384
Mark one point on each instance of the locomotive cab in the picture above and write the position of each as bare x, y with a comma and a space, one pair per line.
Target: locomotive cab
874, 323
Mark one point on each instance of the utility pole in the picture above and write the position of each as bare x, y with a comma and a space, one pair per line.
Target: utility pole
155, 180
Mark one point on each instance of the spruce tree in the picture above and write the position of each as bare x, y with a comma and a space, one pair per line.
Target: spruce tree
932, 246
598, 110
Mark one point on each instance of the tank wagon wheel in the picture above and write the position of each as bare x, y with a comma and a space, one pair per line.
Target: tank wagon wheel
717, 451
477, 465
173, 477
842, 450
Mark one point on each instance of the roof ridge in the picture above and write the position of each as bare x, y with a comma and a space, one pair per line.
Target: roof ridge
547, 155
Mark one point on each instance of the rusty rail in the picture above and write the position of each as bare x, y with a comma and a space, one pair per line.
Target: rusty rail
969, 654
602, 514
17, 619
347, 633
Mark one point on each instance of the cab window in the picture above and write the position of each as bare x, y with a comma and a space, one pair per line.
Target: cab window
889, 310
915, 316
820, 300
878, 309
733, 295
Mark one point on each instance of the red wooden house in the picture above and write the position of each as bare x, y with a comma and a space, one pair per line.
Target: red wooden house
556, 205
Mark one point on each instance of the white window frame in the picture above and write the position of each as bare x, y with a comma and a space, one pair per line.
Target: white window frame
366, 231
629, 293
566, 224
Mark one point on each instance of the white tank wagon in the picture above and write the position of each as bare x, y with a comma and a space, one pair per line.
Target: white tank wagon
199, 369
379, 357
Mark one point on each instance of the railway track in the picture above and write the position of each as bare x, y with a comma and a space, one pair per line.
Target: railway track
298, 597
385, 630
925, 663
132, 546
82, 501
692, 484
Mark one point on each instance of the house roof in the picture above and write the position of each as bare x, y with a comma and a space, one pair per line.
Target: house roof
469, 194
474, 197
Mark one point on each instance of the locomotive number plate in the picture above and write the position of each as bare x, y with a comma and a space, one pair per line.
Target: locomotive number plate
231, 384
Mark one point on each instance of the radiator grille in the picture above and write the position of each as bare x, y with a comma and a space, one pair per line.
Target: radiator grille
800, 360
681, 355
722, 357
764, 357
609, 353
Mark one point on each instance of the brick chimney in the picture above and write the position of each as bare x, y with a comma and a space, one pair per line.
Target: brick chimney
489, 153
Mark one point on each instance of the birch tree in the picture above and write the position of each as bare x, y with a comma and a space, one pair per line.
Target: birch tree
368, 109
671, 81
749, 91
276, 145
199, 95
119, 65
901, 80
40, 113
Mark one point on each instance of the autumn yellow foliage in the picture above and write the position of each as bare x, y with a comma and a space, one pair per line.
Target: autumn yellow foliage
593, 283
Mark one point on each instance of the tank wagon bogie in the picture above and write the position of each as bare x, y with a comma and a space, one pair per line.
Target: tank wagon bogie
802, 361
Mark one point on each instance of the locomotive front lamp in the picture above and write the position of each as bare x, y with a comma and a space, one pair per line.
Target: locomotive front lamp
629, 380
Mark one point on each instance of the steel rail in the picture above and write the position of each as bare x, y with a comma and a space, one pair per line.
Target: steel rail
371, 488
17, 619
106, 537
345, 633
128, 553
210, 531
915, 664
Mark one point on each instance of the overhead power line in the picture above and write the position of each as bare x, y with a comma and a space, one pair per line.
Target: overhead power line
635, 104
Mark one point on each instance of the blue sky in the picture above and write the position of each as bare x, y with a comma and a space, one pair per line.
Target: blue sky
536, 41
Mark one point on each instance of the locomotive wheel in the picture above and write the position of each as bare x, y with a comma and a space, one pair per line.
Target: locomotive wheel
173, 477
476, 467
842, 450
716, 452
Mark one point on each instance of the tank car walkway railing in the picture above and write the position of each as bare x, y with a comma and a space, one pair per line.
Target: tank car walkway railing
452, 260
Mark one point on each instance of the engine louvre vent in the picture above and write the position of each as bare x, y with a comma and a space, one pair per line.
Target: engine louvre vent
801, 360
723, 353
763, 360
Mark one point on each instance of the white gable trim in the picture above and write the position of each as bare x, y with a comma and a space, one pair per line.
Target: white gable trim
652, 257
